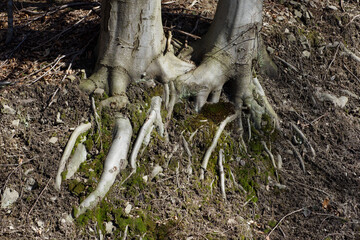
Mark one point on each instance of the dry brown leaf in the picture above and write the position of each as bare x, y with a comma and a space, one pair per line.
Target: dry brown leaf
326, 203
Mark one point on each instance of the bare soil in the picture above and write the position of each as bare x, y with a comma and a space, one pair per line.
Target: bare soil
321, 203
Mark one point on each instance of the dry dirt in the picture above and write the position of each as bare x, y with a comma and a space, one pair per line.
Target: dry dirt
322, 203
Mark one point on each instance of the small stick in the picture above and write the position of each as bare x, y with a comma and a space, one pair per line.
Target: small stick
282, 219
182, 32
303, 137
214, 143
47, 72
336, 52
125, 232
352, 73
222, 175
272, 159
47, 184
168, 47
288, 64
247, 202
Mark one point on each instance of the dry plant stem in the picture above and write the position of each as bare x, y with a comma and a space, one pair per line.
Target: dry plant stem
115, 161
125, 232
272, 159
10, 30
214, 143
287, 64
297, 154
303, 137
67, 152
154, 118
222, 174
48, 71
37, 199
282, 219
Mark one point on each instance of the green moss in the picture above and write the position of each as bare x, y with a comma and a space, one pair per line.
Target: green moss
217, 112
272, 223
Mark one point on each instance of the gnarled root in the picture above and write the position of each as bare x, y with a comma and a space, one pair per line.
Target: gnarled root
70, 145
154, 118
214, 143
116, 161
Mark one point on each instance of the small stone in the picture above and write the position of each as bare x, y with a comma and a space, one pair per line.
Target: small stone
8, 110
145, 178
232, 221
99, 92
71, 77
280, 18
306, 54
40, 223
270, 50
128, 208
331, 7
292, 38
58, 118
157, 169
30, 184
9, 197
15, 123
298, 13
109, 227
53, 140
286, 31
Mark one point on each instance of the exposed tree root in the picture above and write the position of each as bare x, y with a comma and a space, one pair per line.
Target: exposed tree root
75, 161
116, 161
222, 174
272, 159
304, 139
298, 155
154, 118
214, 143
70, 145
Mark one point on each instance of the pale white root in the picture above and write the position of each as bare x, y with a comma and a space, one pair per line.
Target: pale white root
304, 138
298, 155
222, 175
67, 152
75, 161
154, 118
116, 161
214, 143
272, 159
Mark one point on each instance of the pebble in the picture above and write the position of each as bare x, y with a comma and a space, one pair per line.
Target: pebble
53, 140
8, 110
15, 123
9, 197
306, 54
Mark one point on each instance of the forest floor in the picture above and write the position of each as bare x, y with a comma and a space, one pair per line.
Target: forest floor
316, 47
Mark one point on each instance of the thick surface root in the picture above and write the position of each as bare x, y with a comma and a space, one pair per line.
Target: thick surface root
116, 161
67, 152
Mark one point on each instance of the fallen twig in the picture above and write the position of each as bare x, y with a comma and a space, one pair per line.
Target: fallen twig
282, 219
214, 143
48, 71
37, 199
352, 73
182, 32
287, 64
